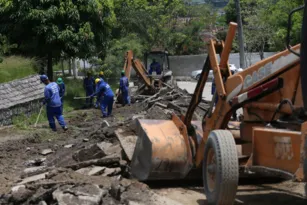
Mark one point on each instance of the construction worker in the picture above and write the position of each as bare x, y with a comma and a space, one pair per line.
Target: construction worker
53, 101
155, 66
124, 88
89, 86
61, 85
105, 96
101, 77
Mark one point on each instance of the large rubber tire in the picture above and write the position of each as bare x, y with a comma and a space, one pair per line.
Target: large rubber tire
221, 186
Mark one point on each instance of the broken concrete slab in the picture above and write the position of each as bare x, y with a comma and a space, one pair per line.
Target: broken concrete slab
88, 194
127, 141
111, 171
46, 152
21, 195
85, 140
33, 178
42, 203
68, 146
91, 171
33, 171
16, 188
104, 146
91, 152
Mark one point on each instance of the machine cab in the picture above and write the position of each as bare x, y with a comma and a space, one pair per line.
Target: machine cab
158, 58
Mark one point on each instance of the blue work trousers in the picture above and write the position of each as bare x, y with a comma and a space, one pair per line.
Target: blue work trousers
57, 113
62, 100
89, 92
106, 102
126, 97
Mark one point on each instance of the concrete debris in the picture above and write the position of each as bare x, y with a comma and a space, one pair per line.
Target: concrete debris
91, 171
33, 178
46, 152
98, 162
88, 153
36, 162
68, 146
85, 140
42, 203
105, 124
111, 171
79, 195
21, 195
16, 188
127, 141
31, 171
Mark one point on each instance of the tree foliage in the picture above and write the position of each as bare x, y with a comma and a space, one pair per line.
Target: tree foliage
265, 23
46, 28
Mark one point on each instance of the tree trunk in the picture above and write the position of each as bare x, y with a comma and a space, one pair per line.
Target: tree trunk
74, 68
62, 66
84, 64
49, 67
240, 33
69, 66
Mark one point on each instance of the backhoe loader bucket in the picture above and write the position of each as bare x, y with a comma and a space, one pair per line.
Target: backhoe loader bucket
161, 151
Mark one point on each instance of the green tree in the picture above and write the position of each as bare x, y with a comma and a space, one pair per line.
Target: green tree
48, 28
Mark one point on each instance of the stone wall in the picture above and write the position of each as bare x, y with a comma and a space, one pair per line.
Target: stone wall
20, 97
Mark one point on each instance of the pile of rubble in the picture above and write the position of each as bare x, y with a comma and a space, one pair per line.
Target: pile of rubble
167, 101
98, 173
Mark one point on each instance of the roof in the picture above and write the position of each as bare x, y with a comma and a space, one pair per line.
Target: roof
21, 91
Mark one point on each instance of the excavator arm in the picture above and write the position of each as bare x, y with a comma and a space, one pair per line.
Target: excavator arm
136, 64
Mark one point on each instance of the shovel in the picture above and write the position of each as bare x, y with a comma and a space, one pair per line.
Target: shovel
40, 111
77, 98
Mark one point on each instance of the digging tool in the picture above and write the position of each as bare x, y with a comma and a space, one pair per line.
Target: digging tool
270, 92
77, 98
40, 111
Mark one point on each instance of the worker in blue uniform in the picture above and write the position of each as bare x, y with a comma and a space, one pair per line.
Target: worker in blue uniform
53, 102
61, 85
101, 77
155, 66
105, 96
124, 88
89, 86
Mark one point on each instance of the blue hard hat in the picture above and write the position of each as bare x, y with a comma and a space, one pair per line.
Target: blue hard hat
43, 78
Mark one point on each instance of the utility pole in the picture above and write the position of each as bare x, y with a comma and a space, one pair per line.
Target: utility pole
240, 32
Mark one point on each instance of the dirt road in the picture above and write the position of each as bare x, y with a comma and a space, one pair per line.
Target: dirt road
19, 148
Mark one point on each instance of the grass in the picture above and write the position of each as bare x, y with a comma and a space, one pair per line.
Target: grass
15, 67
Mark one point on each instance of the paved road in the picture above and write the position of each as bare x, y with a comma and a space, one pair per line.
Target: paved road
190, 87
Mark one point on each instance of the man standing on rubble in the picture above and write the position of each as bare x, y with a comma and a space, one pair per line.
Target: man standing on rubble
105, 96
124, 88
53, 101
61, 85
89, 86
155, 66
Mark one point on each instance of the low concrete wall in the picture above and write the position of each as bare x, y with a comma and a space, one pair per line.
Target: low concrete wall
184, 65
18, 97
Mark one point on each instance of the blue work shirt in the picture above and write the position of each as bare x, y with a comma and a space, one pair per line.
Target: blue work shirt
155, 67
52, 95
89, 83
103, 90
62, 89
124, 84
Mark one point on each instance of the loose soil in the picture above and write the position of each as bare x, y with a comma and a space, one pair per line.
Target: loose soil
18, 148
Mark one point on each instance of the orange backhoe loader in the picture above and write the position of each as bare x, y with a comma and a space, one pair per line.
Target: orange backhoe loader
271, 137
152, 82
